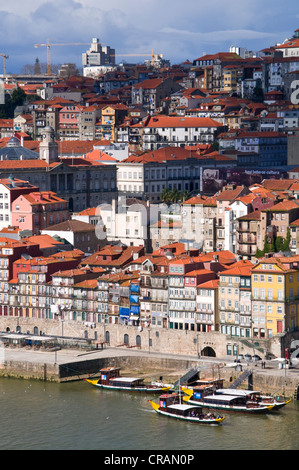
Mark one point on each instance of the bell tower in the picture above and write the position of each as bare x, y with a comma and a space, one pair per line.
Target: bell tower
48, 148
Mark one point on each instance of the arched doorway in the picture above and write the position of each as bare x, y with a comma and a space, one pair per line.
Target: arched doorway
126, 339
138, 340
71, 204
208, 351
107, 337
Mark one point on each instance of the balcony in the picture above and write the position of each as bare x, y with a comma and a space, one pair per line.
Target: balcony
247, 240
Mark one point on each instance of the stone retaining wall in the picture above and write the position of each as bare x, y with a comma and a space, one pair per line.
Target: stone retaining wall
30, 370
160, 340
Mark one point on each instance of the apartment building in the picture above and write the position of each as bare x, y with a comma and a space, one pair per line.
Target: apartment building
117, 301
249, 235
68, 127
126, 220
31, 293
207, 309
234, 296
87, 122
159, 131
199, 221
269, 149
165, 231
151, 92
172, 168
276, 220
275, 291
111, 117
79, 234
182, 273
159, 299
294, 232
10, 189
224, 215
37, 210
10, 251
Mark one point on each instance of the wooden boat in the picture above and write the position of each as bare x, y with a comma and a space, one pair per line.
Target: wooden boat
267, 400
244, 403
206, 387
110, 379
172, 406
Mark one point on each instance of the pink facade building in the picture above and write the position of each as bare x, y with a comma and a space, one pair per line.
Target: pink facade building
36, 211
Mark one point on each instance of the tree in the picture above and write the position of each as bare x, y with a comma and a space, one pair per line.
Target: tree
259, 253
166, 195
17, 98
268, 247
173, 195
279, 244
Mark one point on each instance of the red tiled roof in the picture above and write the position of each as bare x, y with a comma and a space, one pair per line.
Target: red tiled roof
149, 83
201, 200
279, 185
23, 164
289, 45
283, 206
177, 121
229, 194
212, 284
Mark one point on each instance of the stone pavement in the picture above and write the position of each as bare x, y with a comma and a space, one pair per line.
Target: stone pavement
65, 356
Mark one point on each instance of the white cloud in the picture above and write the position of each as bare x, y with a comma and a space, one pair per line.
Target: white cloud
178, 29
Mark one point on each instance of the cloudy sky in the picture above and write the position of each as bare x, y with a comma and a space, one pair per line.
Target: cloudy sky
179, 30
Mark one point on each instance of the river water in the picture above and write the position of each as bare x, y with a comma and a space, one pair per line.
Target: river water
77, 416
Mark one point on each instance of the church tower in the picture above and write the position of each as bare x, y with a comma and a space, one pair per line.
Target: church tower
48, 148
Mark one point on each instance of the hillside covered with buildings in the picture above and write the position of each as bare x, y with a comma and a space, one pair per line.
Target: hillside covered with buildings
155, 196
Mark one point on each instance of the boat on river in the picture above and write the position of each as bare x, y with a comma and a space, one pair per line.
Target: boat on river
250, 400
244, 403
171, 405
276, 402
110, 379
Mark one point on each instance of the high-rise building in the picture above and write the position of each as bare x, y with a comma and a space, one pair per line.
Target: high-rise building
98, 55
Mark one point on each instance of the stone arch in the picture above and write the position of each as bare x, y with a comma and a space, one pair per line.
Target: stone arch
208, 351
107, 336
71, 204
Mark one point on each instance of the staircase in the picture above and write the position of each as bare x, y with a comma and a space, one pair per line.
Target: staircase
188, 376
247, 373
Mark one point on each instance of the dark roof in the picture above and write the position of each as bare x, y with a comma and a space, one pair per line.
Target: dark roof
14, 151
71, 226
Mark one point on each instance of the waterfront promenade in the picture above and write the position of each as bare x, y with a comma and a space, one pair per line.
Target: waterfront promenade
81, 363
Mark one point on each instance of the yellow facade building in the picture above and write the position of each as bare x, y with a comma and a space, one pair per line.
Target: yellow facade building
275, 296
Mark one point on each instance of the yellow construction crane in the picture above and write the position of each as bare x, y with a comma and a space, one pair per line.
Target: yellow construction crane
4, 63
48, 45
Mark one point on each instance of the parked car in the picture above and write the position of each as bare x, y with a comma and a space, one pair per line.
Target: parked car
248, 357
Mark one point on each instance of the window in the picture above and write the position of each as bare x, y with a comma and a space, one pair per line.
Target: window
270, 294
